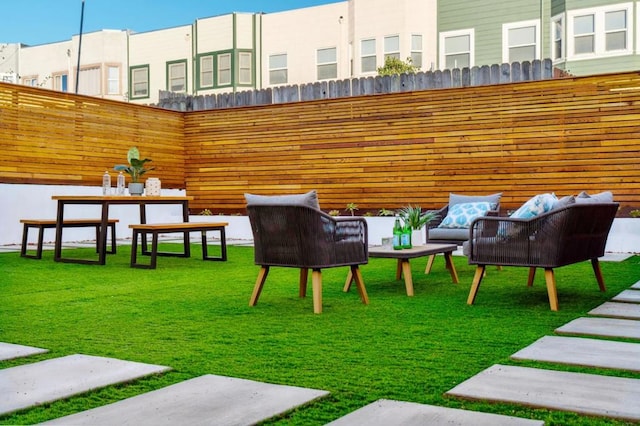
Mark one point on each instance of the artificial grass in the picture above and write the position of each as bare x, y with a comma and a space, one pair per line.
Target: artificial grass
194, 316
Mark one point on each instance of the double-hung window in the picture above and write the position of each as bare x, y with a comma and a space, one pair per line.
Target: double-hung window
416, 50
557, 38
113, 80
278, 73
456, 49
139, 77
224, 69
521, 41
327, 63
177, 76
205, 71
368, 55
392, 47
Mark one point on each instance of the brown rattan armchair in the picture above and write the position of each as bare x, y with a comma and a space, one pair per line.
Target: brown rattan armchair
304, 237
563, 236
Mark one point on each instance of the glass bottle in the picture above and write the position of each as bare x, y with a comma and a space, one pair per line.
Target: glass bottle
405, 238
106, 183
120, 184
397, 234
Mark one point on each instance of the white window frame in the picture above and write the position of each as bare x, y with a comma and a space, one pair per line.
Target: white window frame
417, 51
206, 68
368, 55
395, 52
599, 14
113, 81
442, 57
145, 83
171, 77
563, 37
333, 63
223, 73
535, 23
58, 80
245, 67
278, 69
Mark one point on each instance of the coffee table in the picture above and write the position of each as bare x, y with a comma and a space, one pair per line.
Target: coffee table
403, 256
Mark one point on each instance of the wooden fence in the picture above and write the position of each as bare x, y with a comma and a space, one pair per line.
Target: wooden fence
384, 151
466, 77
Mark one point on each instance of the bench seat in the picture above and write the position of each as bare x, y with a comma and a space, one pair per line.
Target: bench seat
155, 229
42, 224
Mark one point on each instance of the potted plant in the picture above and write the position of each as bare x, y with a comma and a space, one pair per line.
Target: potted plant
135, 169
416, 219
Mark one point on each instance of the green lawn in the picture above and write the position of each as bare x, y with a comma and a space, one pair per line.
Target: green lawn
194, 317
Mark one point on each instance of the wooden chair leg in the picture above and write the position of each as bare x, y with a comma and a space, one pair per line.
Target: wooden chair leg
430, 260
304, 276
477, 278
348, 281
257, 289
357, 276
551, 288
532, 275
595, 264
316, 279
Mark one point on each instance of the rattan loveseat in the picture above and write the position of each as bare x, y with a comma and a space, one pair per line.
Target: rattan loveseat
563, 236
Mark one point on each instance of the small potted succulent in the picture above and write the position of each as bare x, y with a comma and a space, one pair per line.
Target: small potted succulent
136, 168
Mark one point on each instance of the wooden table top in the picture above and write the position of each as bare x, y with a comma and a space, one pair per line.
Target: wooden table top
415, 251
134, 198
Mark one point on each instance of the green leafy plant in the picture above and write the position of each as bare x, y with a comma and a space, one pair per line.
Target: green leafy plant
415, 217
136, 167
351, 208
206, 212
385, 212
395, 66
635, 213
334, 212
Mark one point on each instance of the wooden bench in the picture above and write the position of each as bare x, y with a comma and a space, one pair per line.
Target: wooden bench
42, 224
156, 229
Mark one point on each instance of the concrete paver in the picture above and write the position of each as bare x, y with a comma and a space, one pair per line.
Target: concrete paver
617, 310
58, 378
603, 327
11, 351
590, 394
582, 351
389, 413
205, 400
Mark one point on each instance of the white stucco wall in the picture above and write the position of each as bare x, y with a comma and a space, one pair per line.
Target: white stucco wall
34, 202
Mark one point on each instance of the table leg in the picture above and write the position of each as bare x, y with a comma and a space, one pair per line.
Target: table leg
451, 267
408, 279
102, 242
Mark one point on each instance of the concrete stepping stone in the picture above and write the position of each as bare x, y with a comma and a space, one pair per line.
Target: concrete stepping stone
629, 296
46, 381
589, 394
385, 412
636, 286
617, 310
584, 352
12, 351
603, 327
205, 400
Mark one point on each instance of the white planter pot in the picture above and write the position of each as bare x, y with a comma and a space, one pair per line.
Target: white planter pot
417, 238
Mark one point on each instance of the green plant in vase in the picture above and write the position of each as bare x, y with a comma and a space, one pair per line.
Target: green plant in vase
136, 168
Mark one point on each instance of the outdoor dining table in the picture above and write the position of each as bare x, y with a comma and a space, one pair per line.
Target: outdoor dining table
106, 201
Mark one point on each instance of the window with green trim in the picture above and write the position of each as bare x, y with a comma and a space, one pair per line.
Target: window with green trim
139, 82
177, 76
224, 69
205, 71
245, 70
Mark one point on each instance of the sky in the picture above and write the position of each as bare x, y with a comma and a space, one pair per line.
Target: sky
49, 21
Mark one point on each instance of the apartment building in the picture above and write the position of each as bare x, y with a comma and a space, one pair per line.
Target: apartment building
352, 38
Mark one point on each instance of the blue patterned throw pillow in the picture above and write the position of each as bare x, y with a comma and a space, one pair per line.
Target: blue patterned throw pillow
535, 206
461, 215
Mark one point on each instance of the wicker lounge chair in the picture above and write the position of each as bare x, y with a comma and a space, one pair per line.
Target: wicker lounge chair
299, 236
563, 236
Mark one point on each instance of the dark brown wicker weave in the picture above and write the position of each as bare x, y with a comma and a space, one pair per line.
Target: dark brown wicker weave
570, 234
304, 237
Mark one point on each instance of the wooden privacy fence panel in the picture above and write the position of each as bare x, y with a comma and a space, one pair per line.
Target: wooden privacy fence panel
49, 137
562, 136
466, 77
383, 151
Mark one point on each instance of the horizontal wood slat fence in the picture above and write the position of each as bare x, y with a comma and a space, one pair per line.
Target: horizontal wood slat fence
445, 79
384, 151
